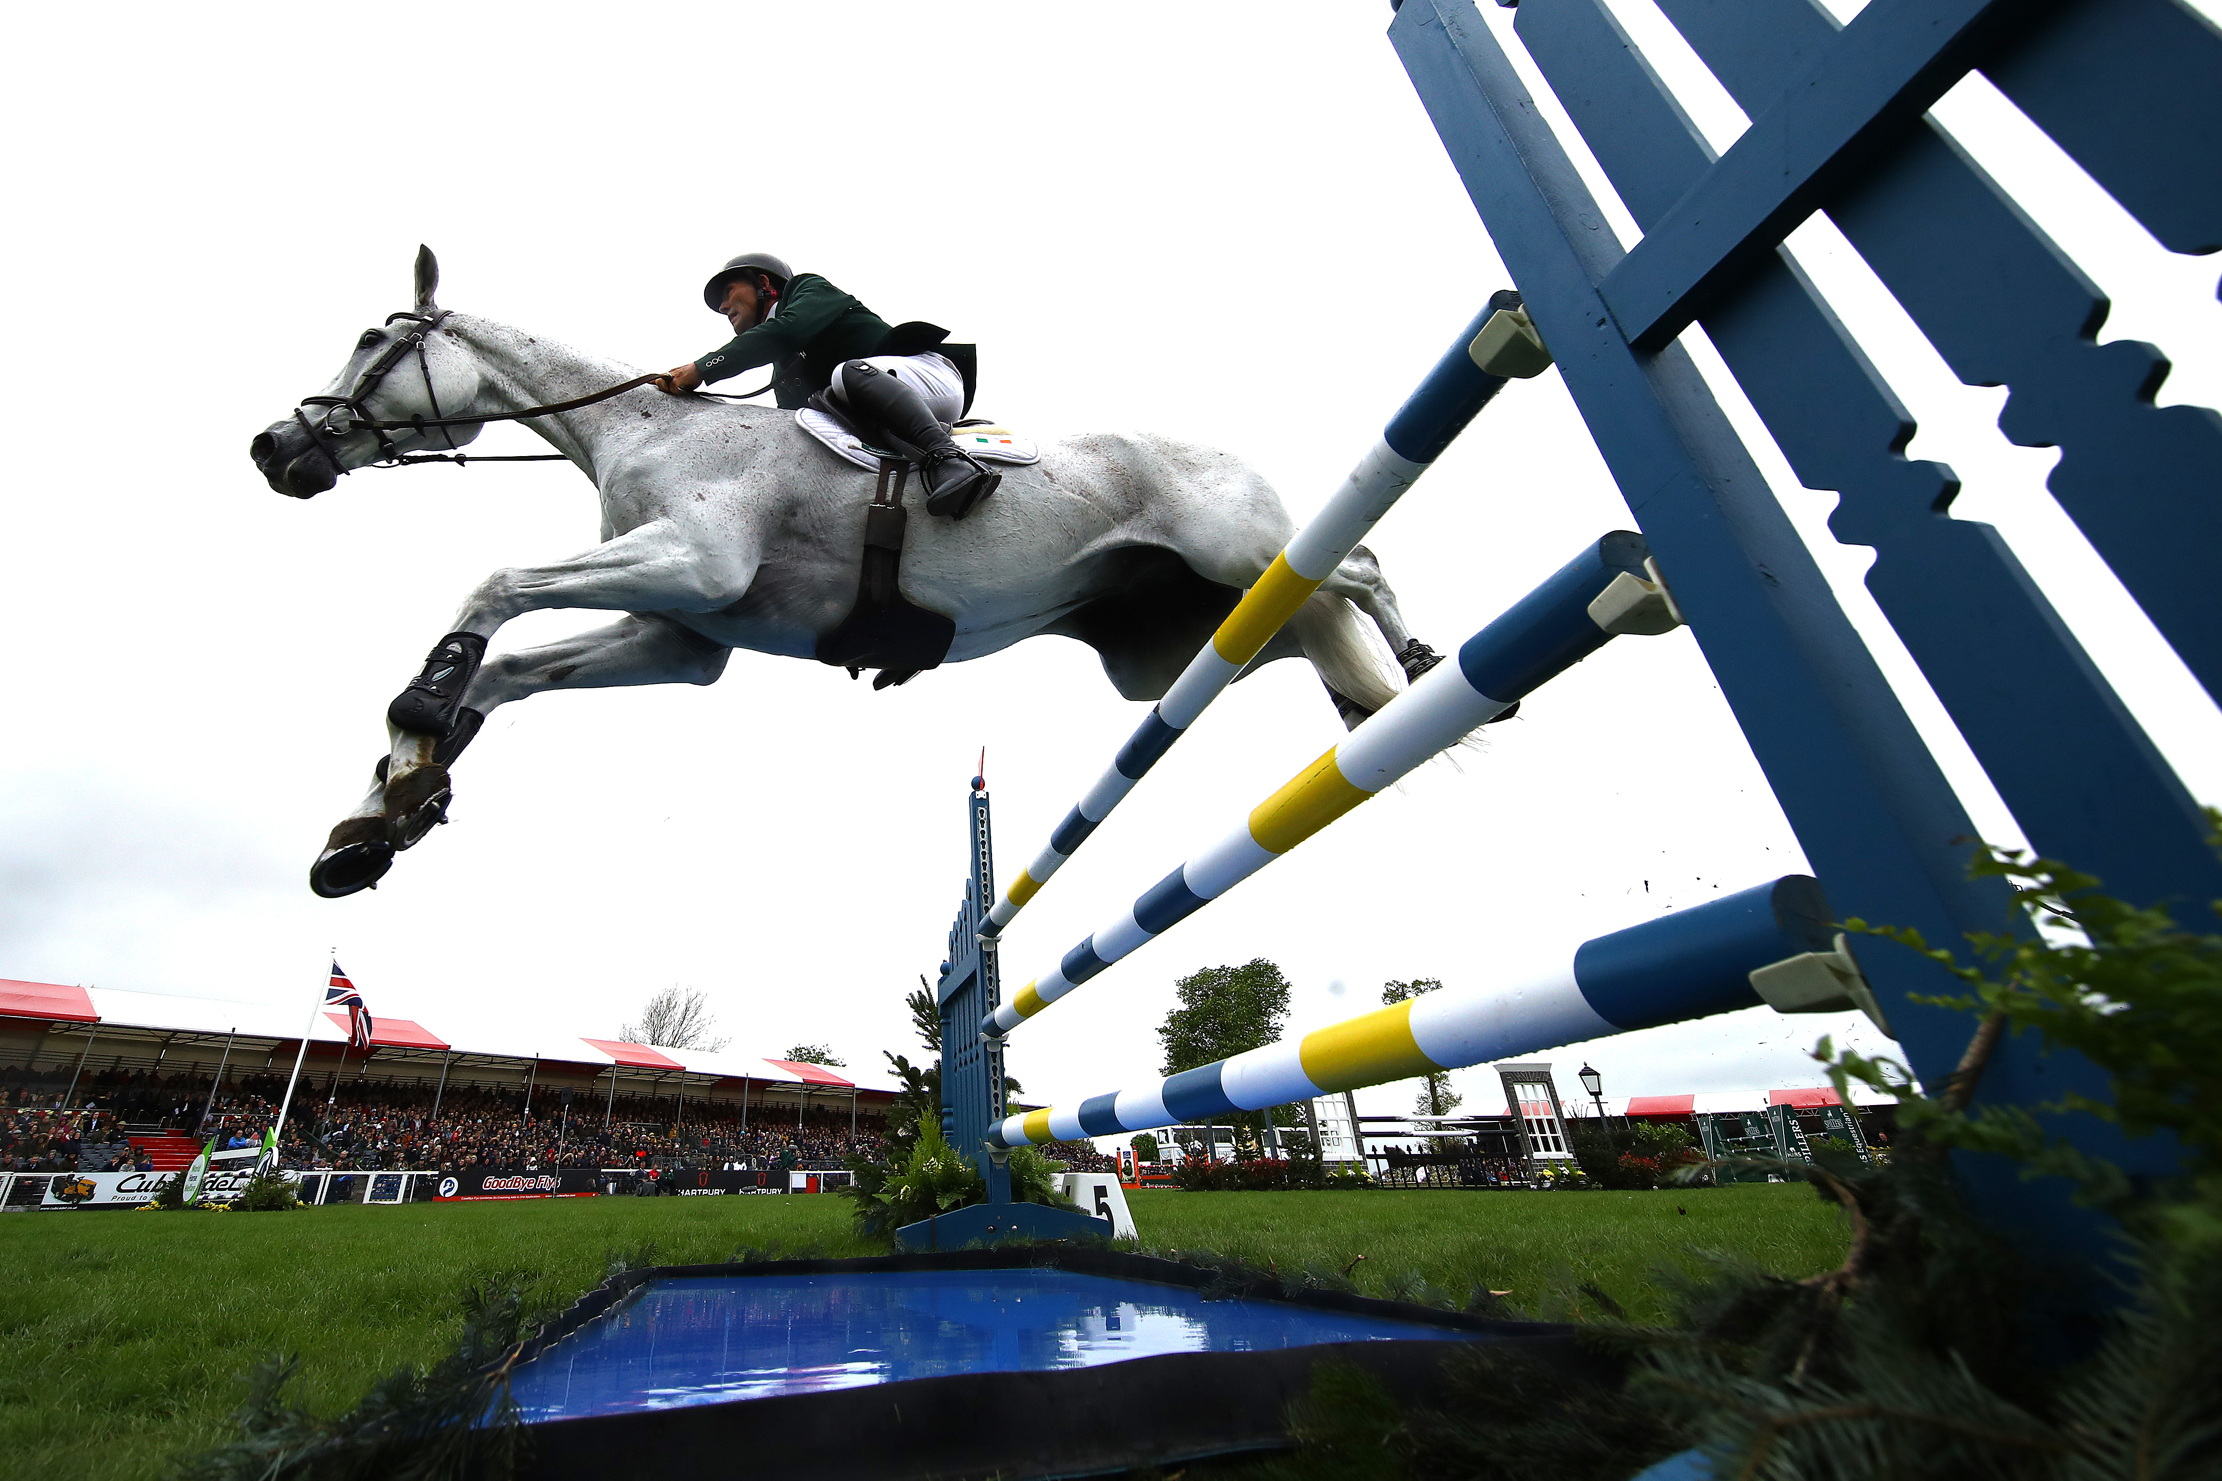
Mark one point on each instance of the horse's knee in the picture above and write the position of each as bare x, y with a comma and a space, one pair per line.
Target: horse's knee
691, 658
496, 596
707, 668
702, 586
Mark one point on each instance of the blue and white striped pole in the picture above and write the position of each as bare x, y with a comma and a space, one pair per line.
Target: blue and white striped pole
1766, 944
1499, 344
1609, 589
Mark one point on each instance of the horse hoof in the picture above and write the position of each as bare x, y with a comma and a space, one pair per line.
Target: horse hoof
417, 804
430, 703
355, 858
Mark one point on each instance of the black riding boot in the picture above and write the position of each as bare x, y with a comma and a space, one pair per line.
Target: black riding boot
954, 482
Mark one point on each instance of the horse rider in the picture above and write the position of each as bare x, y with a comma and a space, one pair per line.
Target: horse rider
824, 343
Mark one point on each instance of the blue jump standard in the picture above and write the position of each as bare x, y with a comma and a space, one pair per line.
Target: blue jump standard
691, 1340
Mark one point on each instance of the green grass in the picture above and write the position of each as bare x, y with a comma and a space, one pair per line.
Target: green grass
124, 1337
1533, 1245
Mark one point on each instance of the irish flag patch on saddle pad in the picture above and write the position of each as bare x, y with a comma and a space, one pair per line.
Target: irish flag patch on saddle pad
989, 442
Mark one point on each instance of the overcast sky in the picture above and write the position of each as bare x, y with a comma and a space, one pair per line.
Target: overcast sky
1230, 223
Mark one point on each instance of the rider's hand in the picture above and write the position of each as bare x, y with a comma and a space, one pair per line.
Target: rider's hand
679, 379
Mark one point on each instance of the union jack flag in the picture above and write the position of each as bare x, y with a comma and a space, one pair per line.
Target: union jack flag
342, 994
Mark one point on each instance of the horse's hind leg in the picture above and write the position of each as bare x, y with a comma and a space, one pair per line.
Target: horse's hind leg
411, 791
1359, 580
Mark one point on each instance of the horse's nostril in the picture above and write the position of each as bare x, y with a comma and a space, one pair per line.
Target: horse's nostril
262, 448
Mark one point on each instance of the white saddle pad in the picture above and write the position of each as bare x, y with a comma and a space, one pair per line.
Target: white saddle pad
988, 444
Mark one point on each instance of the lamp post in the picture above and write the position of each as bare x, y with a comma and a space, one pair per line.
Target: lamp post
1594, 1084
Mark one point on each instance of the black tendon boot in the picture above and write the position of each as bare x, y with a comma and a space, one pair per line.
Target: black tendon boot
429, 706
954, 482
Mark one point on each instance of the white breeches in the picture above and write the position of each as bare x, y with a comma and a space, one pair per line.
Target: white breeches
931, 375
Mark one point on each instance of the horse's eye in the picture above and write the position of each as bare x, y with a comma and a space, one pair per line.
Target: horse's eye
370, 337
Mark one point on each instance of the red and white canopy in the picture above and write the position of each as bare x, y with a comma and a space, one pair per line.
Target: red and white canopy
1741, 1102
122, 1012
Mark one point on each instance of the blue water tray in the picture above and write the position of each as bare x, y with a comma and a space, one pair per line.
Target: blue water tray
1025, 1363
715, 1339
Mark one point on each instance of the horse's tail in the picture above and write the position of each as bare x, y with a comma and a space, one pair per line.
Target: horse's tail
1355, 667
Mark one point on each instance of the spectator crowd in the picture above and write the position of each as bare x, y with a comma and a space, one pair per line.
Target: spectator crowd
372, 1124
1079, 1157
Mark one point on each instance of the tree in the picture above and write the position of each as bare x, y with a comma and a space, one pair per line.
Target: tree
817, 1054
1436, 1098
922, 1082
925, 1016
1145, 1148
919, 1097
676, 1018
1224, 1011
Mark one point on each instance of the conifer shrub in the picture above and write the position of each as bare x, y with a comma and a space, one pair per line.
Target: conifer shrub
268, 1191
923, 1176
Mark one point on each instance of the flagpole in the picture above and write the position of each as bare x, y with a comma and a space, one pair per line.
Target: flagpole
218, 1084
277, 1135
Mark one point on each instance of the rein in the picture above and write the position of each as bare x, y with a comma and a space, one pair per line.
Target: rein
360, 420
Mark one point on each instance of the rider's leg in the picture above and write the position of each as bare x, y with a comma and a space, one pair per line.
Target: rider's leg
905, 396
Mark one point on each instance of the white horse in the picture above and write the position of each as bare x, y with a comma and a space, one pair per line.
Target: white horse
727, 526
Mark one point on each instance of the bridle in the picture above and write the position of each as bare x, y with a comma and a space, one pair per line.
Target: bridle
325, 437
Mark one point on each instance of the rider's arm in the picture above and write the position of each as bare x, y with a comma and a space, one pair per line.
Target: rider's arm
809, 308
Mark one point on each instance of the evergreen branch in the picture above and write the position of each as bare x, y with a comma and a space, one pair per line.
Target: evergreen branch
1959, 1086
1773, 1428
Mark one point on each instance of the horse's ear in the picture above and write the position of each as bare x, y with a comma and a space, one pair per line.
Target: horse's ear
428, 278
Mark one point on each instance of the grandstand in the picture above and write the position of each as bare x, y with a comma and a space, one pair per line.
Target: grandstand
98, 1079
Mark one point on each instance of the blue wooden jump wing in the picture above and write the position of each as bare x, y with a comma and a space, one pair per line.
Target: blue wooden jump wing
2127, 88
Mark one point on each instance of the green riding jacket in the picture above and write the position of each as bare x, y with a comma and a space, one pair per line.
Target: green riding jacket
813, 328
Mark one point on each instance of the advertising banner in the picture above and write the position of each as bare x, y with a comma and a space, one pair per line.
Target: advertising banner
696, 1182
130, 1189
518, 1182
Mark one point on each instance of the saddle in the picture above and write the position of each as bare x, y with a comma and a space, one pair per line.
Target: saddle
884, 630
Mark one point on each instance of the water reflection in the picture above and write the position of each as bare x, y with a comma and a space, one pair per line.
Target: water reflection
715, 1339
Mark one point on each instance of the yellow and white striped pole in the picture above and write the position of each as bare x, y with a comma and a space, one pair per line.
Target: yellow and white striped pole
1499, 344
1609, 589
1773, 944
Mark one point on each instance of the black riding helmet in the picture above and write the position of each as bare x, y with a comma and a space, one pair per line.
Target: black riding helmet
713, 292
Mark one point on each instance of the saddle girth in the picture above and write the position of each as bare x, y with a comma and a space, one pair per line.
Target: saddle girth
883, 630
